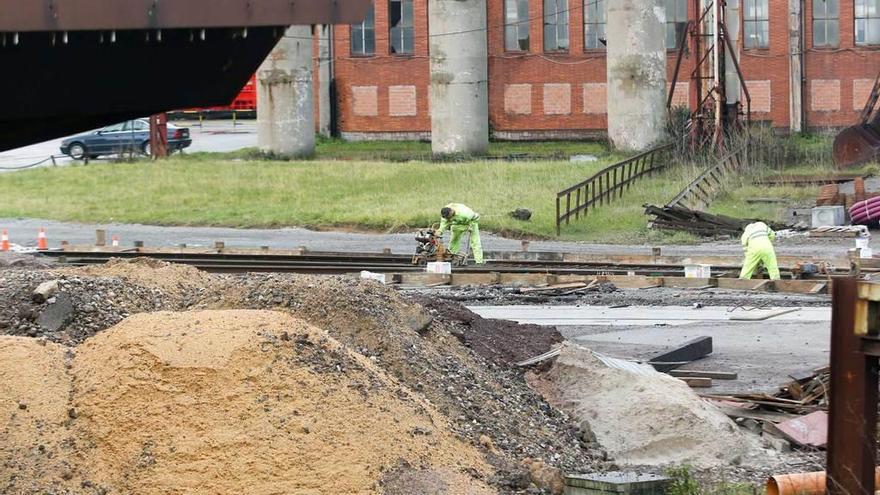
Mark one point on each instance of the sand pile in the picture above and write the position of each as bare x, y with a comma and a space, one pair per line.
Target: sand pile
643, 418
34, 392
226, 402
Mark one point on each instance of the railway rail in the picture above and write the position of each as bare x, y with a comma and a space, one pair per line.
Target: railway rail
525, 263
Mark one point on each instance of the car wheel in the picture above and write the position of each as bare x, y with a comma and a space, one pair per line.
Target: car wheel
145, 149
77, 151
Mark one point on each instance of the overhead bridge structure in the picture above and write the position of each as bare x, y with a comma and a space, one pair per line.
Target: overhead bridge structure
73, 65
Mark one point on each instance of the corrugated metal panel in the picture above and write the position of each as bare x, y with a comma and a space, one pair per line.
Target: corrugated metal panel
88, 15
622, 364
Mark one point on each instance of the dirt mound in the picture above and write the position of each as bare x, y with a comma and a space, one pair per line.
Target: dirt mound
34, 392
171, 278
481, 397
232, 402
500, 341
643, 418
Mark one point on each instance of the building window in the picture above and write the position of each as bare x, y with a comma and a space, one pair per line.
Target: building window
516, 25
400, 22
826, 30
868, 22
363, 35
594, 24
676, 22
555, 25
756, 24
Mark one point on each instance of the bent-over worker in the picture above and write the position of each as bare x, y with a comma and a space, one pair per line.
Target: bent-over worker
459, 219
757, 240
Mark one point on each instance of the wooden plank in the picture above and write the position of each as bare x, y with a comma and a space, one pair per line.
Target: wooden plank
818, 288
537, 359
717, 375
762, 285
734, 412
697, 382
574, 285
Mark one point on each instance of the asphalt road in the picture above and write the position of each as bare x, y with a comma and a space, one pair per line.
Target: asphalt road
211, 135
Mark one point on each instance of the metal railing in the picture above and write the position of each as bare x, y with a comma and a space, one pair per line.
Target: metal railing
607, 184
703, 190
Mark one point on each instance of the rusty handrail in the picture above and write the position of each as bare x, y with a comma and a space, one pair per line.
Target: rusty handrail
701, 191
607, 183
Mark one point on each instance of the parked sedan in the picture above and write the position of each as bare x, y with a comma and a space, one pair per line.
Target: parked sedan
126, 137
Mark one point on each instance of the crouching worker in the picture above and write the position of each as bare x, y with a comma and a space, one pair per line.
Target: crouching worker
459, 219
757, 241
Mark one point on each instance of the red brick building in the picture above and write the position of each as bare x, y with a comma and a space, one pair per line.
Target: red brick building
547, 65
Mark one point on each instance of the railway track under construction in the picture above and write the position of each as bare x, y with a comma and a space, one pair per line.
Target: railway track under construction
503, 267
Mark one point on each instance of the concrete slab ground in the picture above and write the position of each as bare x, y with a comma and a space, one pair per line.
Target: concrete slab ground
763, 353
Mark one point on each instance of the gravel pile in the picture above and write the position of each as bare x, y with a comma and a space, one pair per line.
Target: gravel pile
489, 403
81, 307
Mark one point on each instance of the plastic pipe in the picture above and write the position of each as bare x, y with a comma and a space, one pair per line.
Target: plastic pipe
803, 483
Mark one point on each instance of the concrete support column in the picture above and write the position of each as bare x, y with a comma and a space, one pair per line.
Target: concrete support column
285, 98
636, 32
795, 65
325, 77
459, 77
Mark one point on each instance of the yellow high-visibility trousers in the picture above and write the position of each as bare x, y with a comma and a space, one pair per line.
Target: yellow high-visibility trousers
760, 252
476, 246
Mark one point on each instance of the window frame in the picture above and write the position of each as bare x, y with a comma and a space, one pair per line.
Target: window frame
678, 20
556, 14
587, 5
866, 17
520, 23
402, 27
363, 29
756, 21
825, 19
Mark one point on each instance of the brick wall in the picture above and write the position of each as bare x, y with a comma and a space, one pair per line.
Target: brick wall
563, 94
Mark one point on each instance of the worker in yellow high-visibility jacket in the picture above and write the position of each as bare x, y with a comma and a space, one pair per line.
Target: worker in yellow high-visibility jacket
459, 219
757, 240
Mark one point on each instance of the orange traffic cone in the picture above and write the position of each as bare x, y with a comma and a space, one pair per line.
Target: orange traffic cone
4, 241
42, 245
115, 241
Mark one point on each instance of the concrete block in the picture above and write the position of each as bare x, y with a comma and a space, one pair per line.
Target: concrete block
615, 483
828, 216
441, 268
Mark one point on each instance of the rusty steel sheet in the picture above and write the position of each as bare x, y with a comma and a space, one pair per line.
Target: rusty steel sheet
856, 145
90, 15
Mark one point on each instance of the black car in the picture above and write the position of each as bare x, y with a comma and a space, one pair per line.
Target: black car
126, 137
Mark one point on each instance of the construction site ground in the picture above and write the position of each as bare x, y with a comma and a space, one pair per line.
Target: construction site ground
23, 231
140, 376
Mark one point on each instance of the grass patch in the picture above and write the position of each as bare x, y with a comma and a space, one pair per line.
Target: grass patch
684, 482
402, 151
201, 190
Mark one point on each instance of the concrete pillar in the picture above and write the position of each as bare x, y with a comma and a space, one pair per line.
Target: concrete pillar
459, 77
325, 76
285, 99
636, 33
